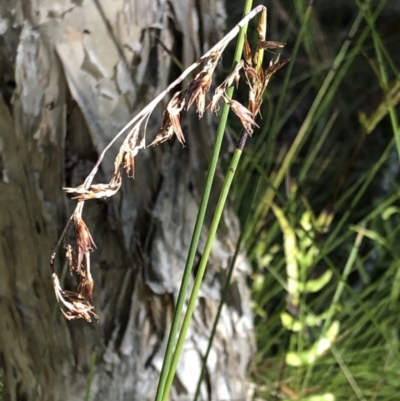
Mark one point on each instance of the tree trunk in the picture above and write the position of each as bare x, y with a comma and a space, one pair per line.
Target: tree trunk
72, 74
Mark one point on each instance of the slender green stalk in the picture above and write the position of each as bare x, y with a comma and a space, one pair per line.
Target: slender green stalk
202, 268
221, 304
91, 375
309, 121
316, 148
216, 319
348, 375
289, 70
382, 70
364, 185
162, 390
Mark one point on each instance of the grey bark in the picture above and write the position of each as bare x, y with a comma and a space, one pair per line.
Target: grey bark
72, 74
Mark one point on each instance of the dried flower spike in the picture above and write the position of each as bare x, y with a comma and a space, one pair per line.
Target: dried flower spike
84, 241
97, 191
171, 121
76, 305
220, 91
73, 305
199, 87
269, 44
244, 114
129, 149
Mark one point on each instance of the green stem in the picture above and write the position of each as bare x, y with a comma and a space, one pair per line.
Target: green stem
162, 390
383, 75
200, 274
221, 304
216, 319
91, 375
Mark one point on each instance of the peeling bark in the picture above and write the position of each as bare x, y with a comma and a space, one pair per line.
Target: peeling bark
72, 74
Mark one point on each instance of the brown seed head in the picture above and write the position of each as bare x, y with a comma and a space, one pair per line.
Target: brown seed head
247, 54
126, 155
199, 87
85, 288
244, 114
84, 242
220, 91
270, 44
174, 108
274, 67
97, 191
73, 305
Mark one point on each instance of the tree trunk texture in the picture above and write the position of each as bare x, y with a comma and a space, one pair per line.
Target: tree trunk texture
72, 74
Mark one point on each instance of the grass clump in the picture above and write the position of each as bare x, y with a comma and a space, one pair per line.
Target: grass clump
321, 228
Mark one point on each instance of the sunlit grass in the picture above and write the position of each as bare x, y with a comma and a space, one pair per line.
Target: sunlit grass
318, 158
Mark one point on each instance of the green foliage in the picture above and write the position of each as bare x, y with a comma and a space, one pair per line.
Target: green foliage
322, 230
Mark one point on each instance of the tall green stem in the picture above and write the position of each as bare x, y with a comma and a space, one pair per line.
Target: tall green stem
162, 389
201, 271
221, 304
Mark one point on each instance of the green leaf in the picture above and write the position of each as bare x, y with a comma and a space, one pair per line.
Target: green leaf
389, 211
319, 348
296, 325
317, 284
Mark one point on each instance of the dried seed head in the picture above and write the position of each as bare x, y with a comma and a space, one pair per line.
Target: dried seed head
129, 162
76, 305
85, 288
248, 56
174, 108
84, 239
126, 159
166, 130
199, 87
73, 305
244, 114
258, 80
220, 91
129, 149
274, 67
84, 242
171, 121
218, 94
98, 191
197, 91
270, 44
251, 72
86, 284
254, 103
69, 255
